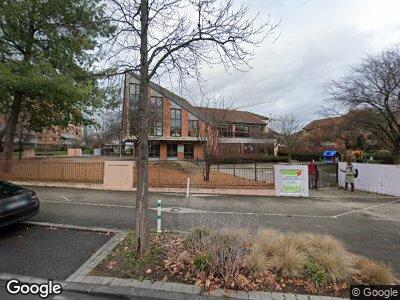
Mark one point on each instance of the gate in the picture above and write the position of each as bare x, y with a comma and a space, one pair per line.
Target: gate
327, 176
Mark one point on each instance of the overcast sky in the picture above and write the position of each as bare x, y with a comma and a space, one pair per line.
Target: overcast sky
319, 40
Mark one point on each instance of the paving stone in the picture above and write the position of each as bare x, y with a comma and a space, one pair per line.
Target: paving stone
97, 279
191, 289
77, 286
238, 295
145, 284
260, 296
106, 280
115, 281
277, 296
158, 285
302, 297
290, 296
125, 282
111, 289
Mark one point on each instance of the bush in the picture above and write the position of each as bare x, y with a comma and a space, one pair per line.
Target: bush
238, 158
383, 157
233, 259
289, 254
222, 253
315, 273
196, 239
331, 255
202, 261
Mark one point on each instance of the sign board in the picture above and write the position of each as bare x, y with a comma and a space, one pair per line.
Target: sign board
181, 148
291, 180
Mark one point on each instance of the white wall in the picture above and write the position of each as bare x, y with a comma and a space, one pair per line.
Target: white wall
382, 179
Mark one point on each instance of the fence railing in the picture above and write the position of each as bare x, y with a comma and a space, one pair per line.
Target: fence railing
225, 177
160, 175
52, 171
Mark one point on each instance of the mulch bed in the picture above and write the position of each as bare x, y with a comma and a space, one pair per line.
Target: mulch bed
158, 265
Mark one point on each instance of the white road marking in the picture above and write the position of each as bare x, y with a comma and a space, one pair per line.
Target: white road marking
366, 208
88, 203
183, 210
66, 198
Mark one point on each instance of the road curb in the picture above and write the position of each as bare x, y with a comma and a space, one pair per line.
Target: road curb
159, 290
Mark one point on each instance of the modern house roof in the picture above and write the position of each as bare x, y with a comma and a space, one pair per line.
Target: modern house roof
234, 116
203, 113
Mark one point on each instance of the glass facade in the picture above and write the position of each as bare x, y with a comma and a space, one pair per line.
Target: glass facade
176, 122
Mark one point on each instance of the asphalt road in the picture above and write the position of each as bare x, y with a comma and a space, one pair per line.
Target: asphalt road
46, 252
368, 224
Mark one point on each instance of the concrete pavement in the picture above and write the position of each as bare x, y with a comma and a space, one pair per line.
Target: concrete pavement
369, 224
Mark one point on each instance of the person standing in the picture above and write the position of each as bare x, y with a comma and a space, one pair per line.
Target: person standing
313, 174
349, 174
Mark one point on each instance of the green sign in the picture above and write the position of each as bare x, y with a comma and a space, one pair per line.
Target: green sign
292, 181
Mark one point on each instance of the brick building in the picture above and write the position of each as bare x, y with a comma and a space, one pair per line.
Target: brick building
54, 136
175, 125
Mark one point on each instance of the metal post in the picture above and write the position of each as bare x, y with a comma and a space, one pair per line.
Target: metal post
158, 216
234, 169
187, 187
255, 171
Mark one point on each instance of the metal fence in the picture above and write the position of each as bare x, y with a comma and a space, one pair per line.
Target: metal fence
225, 177
327, 176
52, 171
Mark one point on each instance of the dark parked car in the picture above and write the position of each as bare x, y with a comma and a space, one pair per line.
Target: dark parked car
16, 203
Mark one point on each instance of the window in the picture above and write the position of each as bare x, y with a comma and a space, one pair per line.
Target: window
193, 127
133, 107
225, 130
241, 131
176, 123
156, 117
133, 92
188, 152
172, 150
154, 150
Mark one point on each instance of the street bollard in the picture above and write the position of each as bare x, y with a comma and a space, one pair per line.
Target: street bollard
158, 216
187, 187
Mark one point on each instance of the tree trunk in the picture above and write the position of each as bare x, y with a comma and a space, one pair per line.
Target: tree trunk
141, 220
11, 126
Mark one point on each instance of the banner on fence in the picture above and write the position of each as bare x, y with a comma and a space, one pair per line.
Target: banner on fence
291, 180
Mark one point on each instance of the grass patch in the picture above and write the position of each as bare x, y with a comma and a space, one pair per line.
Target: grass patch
122, 262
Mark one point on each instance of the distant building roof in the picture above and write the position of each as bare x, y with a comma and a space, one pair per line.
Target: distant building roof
327, 122
234, 116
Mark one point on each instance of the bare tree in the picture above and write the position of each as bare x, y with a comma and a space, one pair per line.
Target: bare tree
287, 129
167, 37
214, 110
107, 129
371, 92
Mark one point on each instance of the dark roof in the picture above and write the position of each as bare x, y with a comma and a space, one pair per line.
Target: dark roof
333, 121
234, 116
229, 115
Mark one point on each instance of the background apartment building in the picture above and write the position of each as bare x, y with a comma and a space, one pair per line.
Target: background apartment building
175, 125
